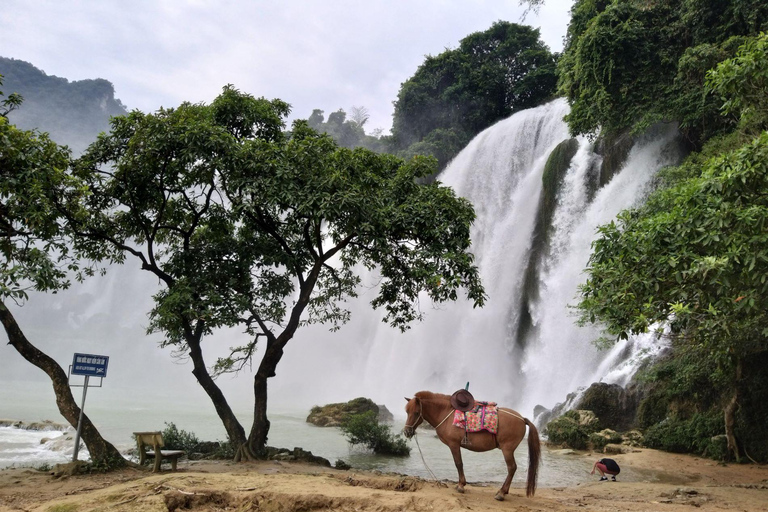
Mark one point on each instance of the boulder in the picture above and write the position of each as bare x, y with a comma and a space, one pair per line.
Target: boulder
44, 425
542, 416
604, 437
340, 464
615, 407
297, 454
617, 448
587, 419
385, 416
632, 438
539, 410
332, 415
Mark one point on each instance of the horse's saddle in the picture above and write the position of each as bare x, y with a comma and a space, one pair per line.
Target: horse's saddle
485, 416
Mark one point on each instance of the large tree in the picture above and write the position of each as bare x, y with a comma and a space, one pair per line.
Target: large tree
247, 225
34, 252
491, 75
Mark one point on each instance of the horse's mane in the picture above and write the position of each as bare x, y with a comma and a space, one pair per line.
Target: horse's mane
429, 396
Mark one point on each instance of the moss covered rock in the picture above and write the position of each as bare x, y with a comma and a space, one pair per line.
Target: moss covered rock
615, 407
632, 438
572, 429
614, 149
557, 165
599, 440
333, 415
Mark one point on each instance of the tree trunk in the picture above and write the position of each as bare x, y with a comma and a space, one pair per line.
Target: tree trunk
101, 450
729, 414
730, 421
235, 431
257, 439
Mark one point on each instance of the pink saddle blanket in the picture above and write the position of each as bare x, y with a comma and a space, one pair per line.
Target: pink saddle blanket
483, 417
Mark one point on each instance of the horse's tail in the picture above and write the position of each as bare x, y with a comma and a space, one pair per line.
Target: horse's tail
534, 457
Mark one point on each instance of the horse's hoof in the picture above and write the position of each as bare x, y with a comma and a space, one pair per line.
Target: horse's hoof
499, 497
460, 490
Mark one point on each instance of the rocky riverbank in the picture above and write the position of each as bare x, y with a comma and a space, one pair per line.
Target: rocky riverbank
672, 483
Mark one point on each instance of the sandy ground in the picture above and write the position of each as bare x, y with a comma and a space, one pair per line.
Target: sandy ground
676, 483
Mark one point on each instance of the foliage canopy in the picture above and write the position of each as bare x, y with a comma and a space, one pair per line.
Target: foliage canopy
694, 259
630, 63
35, 252
455, 95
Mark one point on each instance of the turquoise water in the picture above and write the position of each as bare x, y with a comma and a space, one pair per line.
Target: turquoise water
118, 418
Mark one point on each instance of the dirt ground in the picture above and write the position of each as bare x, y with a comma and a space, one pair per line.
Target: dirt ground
679, 483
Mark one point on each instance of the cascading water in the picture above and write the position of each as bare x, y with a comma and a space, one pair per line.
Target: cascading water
521, 349
501, 172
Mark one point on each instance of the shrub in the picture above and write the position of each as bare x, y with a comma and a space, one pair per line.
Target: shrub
365, 429
176, 439
598, 440
693, 435
566, 431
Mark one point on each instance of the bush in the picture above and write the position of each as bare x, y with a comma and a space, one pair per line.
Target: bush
567, 431
176, 439
598, 440
693, 435
365, 429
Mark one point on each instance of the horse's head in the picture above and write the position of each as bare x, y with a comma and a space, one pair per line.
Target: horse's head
413, 409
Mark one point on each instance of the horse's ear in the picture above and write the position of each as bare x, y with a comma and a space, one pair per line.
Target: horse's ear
407, 399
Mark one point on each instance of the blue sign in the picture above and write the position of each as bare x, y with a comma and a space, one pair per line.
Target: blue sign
90, 365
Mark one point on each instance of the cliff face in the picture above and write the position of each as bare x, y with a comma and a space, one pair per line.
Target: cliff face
73, 113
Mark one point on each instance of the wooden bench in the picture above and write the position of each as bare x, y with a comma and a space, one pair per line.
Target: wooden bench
149, 444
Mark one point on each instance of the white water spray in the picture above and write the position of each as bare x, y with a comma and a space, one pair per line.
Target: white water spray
500, 172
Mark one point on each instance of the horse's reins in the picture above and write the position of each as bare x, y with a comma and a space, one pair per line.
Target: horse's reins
434, 477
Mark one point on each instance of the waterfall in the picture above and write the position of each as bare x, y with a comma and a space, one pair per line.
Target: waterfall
501, 172
528, 283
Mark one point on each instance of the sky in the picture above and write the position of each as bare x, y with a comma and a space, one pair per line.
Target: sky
325, 54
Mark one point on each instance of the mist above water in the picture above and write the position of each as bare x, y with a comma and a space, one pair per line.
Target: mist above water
500, 171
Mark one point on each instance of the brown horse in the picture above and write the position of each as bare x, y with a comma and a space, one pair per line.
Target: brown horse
436, 409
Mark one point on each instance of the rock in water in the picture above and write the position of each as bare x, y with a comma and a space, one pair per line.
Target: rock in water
332, 415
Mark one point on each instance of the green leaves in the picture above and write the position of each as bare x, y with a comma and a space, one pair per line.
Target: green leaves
742, 82
34, 190
695, 257
365, 429
629, 64
455, 95
249, 228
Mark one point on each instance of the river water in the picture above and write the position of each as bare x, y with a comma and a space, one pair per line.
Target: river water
116, 421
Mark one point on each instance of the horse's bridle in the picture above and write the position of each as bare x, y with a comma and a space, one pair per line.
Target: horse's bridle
410, 430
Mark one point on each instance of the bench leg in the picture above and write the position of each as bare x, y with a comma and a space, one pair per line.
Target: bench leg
173, 463
158, 462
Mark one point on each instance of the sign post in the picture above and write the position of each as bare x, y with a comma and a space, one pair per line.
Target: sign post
88, 365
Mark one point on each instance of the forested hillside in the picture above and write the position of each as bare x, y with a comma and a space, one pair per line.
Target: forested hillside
455, 95
693, 261
73, 113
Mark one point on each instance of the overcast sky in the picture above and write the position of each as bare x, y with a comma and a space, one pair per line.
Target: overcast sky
325, 54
